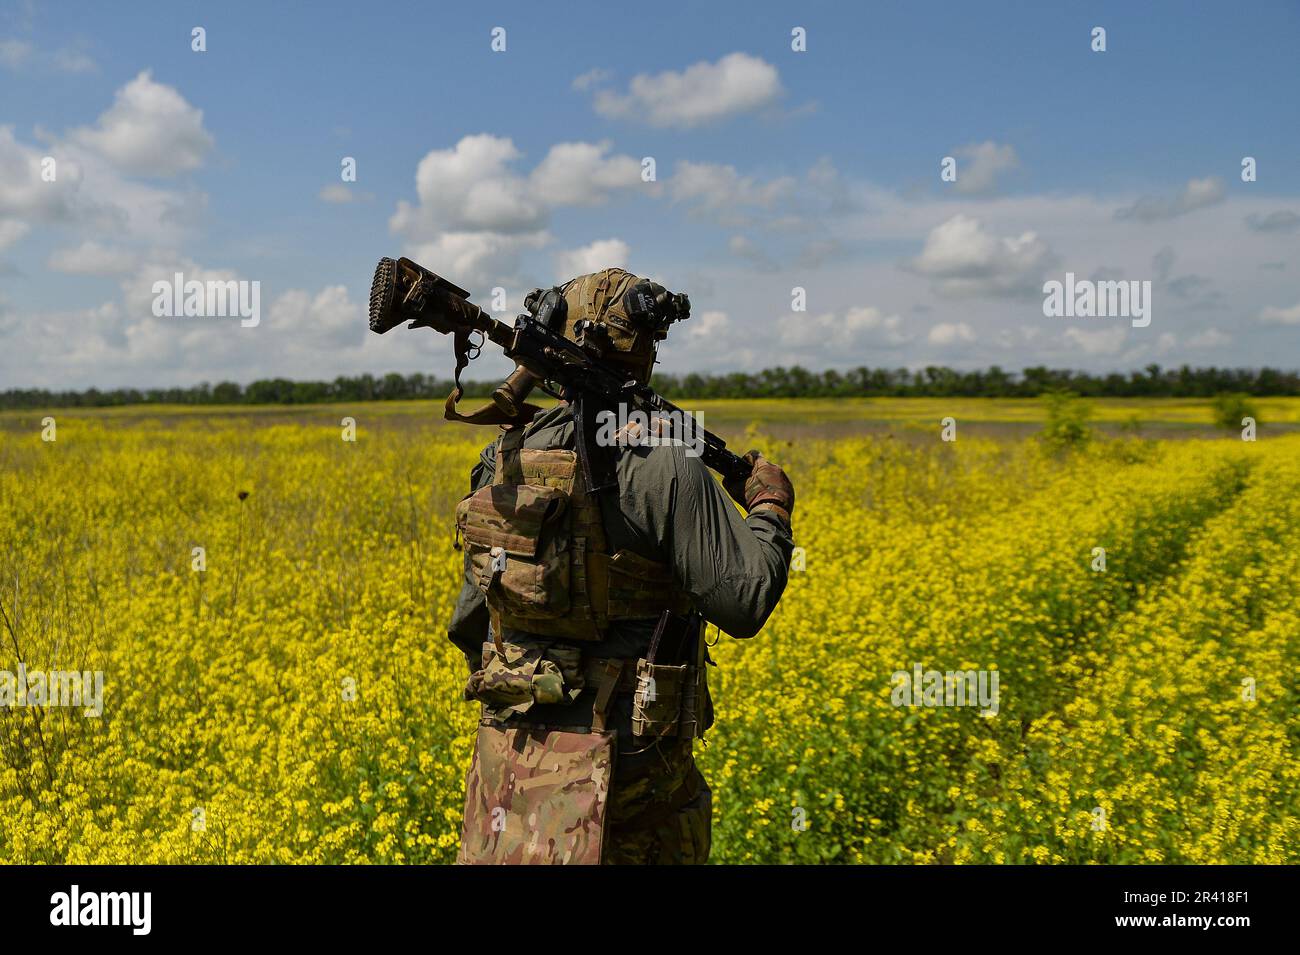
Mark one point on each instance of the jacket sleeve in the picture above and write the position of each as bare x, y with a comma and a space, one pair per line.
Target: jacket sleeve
468, 628
734, 568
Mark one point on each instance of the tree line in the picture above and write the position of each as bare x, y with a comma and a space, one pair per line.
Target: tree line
933, 381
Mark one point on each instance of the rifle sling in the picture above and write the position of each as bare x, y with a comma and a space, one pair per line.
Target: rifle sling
489, 413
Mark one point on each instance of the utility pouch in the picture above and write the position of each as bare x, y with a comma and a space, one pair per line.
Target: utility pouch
514, 678
657, 702
517, 540
536, 796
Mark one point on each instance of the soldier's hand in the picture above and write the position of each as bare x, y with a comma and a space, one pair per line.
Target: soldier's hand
766, 484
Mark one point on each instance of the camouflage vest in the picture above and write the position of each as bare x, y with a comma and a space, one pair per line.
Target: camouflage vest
537, 547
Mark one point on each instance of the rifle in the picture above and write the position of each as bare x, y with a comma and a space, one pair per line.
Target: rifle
404, 291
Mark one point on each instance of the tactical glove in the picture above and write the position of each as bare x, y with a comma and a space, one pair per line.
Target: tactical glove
767, 485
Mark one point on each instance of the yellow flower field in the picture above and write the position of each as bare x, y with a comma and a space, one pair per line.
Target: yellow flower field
296, 699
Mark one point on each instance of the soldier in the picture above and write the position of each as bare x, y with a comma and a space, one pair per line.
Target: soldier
581, 619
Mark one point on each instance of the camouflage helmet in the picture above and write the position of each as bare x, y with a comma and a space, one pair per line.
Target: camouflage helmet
623, 317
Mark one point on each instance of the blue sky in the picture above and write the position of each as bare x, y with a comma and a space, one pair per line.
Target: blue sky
774, 169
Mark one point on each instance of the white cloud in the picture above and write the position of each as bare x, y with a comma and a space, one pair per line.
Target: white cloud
473, 187
981, 164
477, 260
1197, 194
476, 213
329, 317
592, 78
24, 194
863, 326
965, 260
702, 93
91, 258
336, 192
582, 174
950, 333
340, 193
1209, 338
715, 186
470, 187
1281, 316
708, 325
601, 254
1101, 341
150, 130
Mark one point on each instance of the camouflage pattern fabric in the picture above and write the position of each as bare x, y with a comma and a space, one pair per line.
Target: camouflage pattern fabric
541, 796
536, 796
660, 809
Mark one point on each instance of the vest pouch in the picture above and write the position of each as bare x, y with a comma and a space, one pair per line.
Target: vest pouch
658, 700
517, 539
513, 679
637, 586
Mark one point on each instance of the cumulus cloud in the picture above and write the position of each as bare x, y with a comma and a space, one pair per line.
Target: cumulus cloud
470, 187
964, 260
1197, 194
329, 317
582, 174
478, 212
92, 258
703, 93
950, 333
981, 164
1100, 341
1209, 338
115, 206
591, 79
25, 195
601, 254
114, 342
709, 325
1281, 316
150, 130
478, 260
714, 187
474, 186
861, 327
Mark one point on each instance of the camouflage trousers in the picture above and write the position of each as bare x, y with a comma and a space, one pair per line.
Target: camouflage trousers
660, 808
655, 809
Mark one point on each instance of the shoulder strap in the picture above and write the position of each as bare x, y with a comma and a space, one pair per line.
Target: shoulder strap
509, 470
